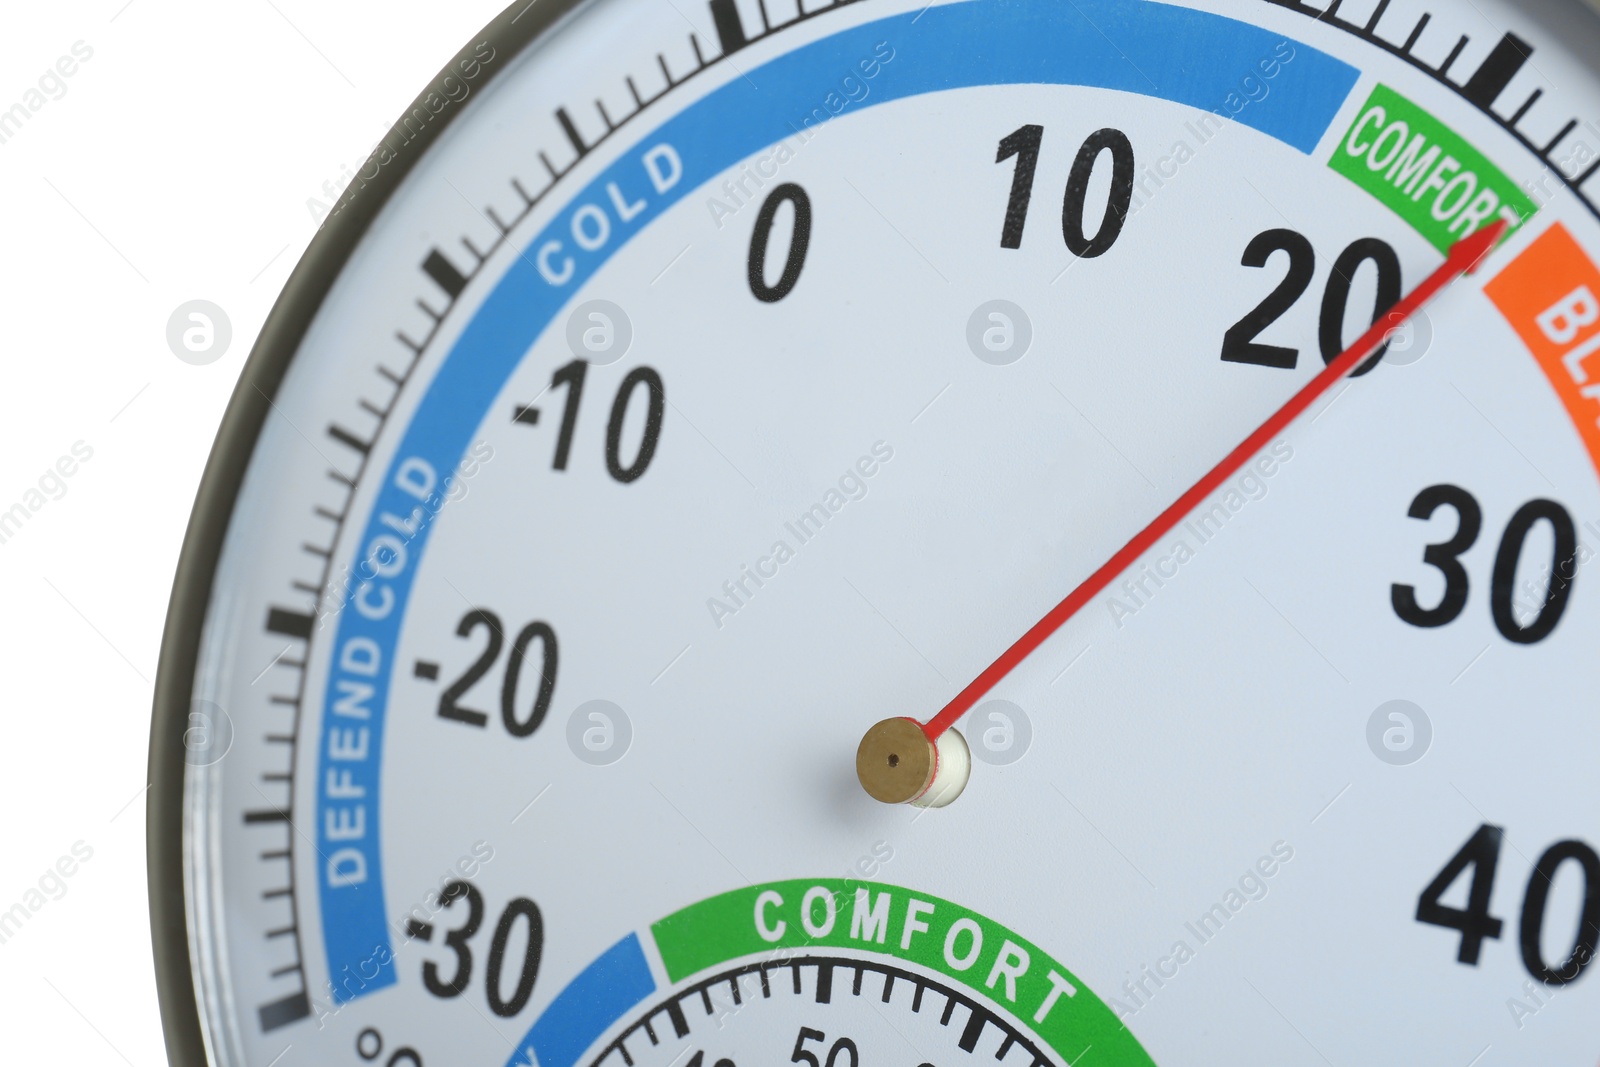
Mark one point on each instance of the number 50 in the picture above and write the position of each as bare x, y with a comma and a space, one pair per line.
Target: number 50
802, 1055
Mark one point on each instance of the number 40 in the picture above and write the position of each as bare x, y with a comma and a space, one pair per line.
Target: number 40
1475, 924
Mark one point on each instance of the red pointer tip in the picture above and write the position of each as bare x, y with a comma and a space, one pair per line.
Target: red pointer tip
1476, 248
1465, 257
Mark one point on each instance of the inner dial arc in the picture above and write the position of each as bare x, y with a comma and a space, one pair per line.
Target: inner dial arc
707, 1006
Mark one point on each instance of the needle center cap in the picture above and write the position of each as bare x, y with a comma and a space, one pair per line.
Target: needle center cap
895, 761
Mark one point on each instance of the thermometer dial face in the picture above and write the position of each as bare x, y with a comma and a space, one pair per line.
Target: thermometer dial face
683, 388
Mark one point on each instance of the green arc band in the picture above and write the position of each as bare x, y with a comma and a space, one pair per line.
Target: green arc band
781, 919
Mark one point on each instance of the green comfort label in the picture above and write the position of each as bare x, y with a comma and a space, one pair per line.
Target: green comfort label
1425, 172
780, 920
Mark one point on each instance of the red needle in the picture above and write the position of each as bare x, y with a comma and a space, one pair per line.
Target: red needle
1464, 257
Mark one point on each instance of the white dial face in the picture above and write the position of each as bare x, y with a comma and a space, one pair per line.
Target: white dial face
697, 401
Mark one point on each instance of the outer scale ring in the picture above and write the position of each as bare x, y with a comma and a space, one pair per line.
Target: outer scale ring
509, 34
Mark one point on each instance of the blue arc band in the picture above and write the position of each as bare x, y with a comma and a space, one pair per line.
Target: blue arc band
1188, 57
590, 1004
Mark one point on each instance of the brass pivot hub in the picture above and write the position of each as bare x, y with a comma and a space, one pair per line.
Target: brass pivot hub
895, 761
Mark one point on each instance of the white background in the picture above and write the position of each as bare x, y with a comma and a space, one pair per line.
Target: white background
178, 165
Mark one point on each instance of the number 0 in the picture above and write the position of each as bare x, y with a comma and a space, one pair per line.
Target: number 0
548, 659
1117, 202
1539, 885
657, 403
528, 972
799, 243
1563, 568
